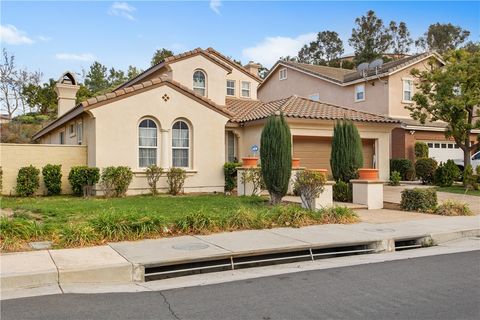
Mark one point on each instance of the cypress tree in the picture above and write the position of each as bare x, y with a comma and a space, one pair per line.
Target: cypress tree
276, 157
346, 156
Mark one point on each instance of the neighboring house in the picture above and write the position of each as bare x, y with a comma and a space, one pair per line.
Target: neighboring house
4, 118
196, 111
385, 91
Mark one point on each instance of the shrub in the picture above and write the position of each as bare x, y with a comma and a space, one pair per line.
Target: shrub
292, 216
346, 156
175, 180
469, 180
195, 222
421, 150
309, 184
230, 173
419, 199
27, 181
425, 170
153, 173
446, 174
276, 157
52, 177
115, 180
254, 176
75, 235
243, 218
404, 167
114, 226
453, 208
338, 214
82, 179
394, 179
20, 228
342, 192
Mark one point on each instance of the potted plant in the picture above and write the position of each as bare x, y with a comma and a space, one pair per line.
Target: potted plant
367, 174
249, 162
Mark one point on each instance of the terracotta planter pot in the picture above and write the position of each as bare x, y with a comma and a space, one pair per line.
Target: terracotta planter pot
368, 174
249, 162
295, 163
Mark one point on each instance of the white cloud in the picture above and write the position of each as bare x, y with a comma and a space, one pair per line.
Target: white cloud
215, 6
11, 35
75, 56
122, 9
44, 38
271, 49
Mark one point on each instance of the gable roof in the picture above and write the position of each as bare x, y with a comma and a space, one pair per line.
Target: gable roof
172, 59
233, 63
299, 107
344, 77
103, 99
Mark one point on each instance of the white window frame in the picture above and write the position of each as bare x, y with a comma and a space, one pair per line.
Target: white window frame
282, 74
80, 132
183, 148
362, 85
232, 88
234, 146
404, 87
200, 88
147, 147
247, 90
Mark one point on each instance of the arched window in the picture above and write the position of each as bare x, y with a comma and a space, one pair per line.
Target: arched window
147, 143
180, 144
199, 82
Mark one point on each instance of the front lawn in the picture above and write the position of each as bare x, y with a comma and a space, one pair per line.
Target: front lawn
71, 221
459, 190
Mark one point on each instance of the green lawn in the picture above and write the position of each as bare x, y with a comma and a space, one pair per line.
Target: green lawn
70, 221
460, 190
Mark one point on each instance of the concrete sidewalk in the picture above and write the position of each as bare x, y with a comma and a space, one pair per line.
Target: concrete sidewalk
125, 262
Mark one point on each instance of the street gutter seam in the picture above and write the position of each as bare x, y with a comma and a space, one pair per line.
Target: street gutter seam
169, 305
58, 272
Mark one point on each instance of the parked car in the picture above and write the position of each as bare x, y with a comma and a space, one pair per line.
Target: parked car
475, 160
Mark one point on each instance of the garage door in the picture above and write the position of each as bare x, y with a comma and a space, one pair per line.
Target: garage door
314, 152
444, 150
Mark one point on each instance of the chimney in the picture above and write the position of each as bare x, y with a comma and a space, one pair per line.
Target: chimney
66, 89
253, 67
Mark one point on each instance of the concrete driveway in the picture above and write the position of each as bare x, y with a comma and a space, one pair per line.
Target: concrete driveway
393, 194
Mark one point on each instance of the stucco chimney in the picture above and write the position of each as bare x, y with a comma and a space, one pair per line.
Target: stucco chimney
253, 67
66, 89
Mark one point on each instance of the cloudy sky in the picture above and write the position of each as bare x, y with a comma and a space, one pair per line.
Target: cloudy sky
56, 36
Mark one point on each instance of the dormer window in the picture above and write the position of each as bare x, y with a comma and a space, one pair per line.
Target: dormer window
283, 74
199, 82
359, 92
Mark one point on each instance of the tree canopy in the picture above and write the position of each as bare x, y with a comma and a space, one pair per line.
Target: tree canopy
442, 37
326, 48
160, 55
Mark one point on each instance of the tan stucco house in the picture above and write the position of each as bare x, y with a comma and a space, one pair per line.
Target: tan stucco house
198, 110
385, 91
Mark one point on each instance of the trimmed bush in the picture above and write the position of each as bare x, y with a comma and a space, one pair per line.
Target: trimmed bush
346, 156
28, 181
446, 174
309, 184
469, 179
421, 150
453, 208
342, 192
425, 170
153, 173
419, 199
115, 180
404, 167
52, 177
230, 173
175, 180
394, 179
276, 157
82, 179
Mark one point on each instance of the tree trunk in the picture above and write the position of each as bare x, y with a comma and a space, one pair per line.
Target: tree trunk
275, 198
467, 151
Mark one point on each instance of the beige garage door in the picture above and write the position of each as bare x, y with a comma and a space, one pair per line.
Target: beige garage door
314, 152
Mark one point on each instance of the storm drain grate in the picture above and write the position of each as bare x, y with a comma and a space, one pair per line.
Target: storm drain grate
408, 244
250, 261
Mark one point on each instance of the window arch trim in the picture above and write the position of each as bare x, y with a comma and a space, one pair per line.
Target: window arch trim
198, 88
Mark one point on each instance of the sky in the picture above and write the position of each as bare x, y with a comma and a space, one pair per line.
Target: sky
56, 36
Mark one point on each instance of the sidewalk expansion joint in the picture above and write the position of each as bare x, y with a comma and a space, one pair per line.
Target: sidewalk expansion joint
213, 244
58, 271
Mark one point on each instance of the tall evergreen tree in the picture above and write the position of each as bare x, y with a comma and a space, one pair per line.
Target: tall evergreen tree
442, 37
346, 155
276, 157
401, 40
326, 48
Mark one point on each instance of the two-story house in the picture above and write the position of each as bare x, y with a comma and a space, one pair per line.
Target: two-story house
197, 110
384, 90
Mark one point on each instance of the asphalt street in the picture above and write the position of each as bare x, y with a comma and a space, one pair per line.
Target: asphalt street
436, 287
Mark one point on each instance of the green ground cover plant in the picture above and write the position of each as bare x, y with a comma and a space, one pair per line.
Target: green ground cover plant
70, 221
